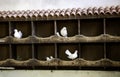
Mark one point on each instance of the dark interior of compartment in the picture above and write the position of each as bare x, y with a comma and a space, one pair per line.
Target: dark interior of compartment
71, 25
4, 29
4, 51
44, 28
63, 47
92, 51
23, 26
113, 26
113, 51
22, 51
44, 50
91, 27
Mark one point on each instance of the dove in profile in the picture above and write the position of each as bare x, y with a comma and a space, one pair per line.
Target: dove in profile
17, 34
49, 58
63, 32
70, 55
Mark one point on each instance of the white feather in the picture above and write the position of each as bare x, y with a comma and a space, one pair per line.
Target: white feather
20, 34
63, 32
17, 34
68, 52
70, 55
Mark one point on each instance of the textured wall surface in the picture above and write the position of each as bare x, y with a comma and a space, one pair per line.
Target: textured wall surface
41, 73
53, 4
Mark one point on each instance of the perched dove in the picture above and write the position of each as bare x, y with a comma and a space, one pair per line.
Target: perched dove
17, 34
70, 55
63, 32
49, 59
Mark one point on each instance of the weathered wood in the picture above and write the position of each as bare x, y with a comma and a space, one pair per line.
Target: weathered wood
57, 62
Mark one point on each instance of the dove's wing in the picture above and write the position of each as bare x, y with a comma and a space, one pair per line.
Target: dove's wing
75, 55
68, 52
20, 33
16, 34
64, 32
61, 31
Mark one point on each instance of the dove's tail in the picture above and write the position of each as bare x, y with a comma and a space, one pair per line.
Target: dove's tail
58, 34
76, 51
20, 33
68, 52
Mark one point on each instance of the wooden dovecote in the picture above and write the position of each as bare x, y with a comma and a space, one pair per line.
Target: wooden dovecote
94, 32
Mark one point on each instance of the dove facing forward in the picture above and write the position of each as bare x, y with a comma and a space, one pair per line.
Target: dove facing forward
70, 55
17, 34
63, 32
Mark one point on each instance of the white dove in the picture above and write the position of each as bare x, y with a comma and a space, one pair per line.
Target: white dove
49, 59
70, 55
63, 32
17, 34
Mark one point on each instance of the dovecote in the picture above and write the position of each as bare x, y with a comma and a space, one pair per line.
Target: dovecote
94, 32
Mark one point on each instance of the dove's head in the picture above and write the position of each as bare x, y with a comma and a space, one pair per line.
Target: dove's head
15, 30
76, 51
64, 28
51, 57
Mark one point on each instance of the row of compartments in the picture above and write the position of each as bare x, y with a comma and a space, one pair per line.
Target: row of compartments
88, 51
45, 28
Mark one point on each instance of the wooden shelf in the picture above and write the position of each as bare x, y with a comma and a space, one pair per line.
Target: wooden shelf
55, 39
58, 62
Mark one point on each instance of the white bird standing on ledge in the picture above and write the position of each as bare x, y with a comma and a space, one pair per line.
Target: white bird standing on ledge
63, 32
70, 55
49, 59
17, 34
